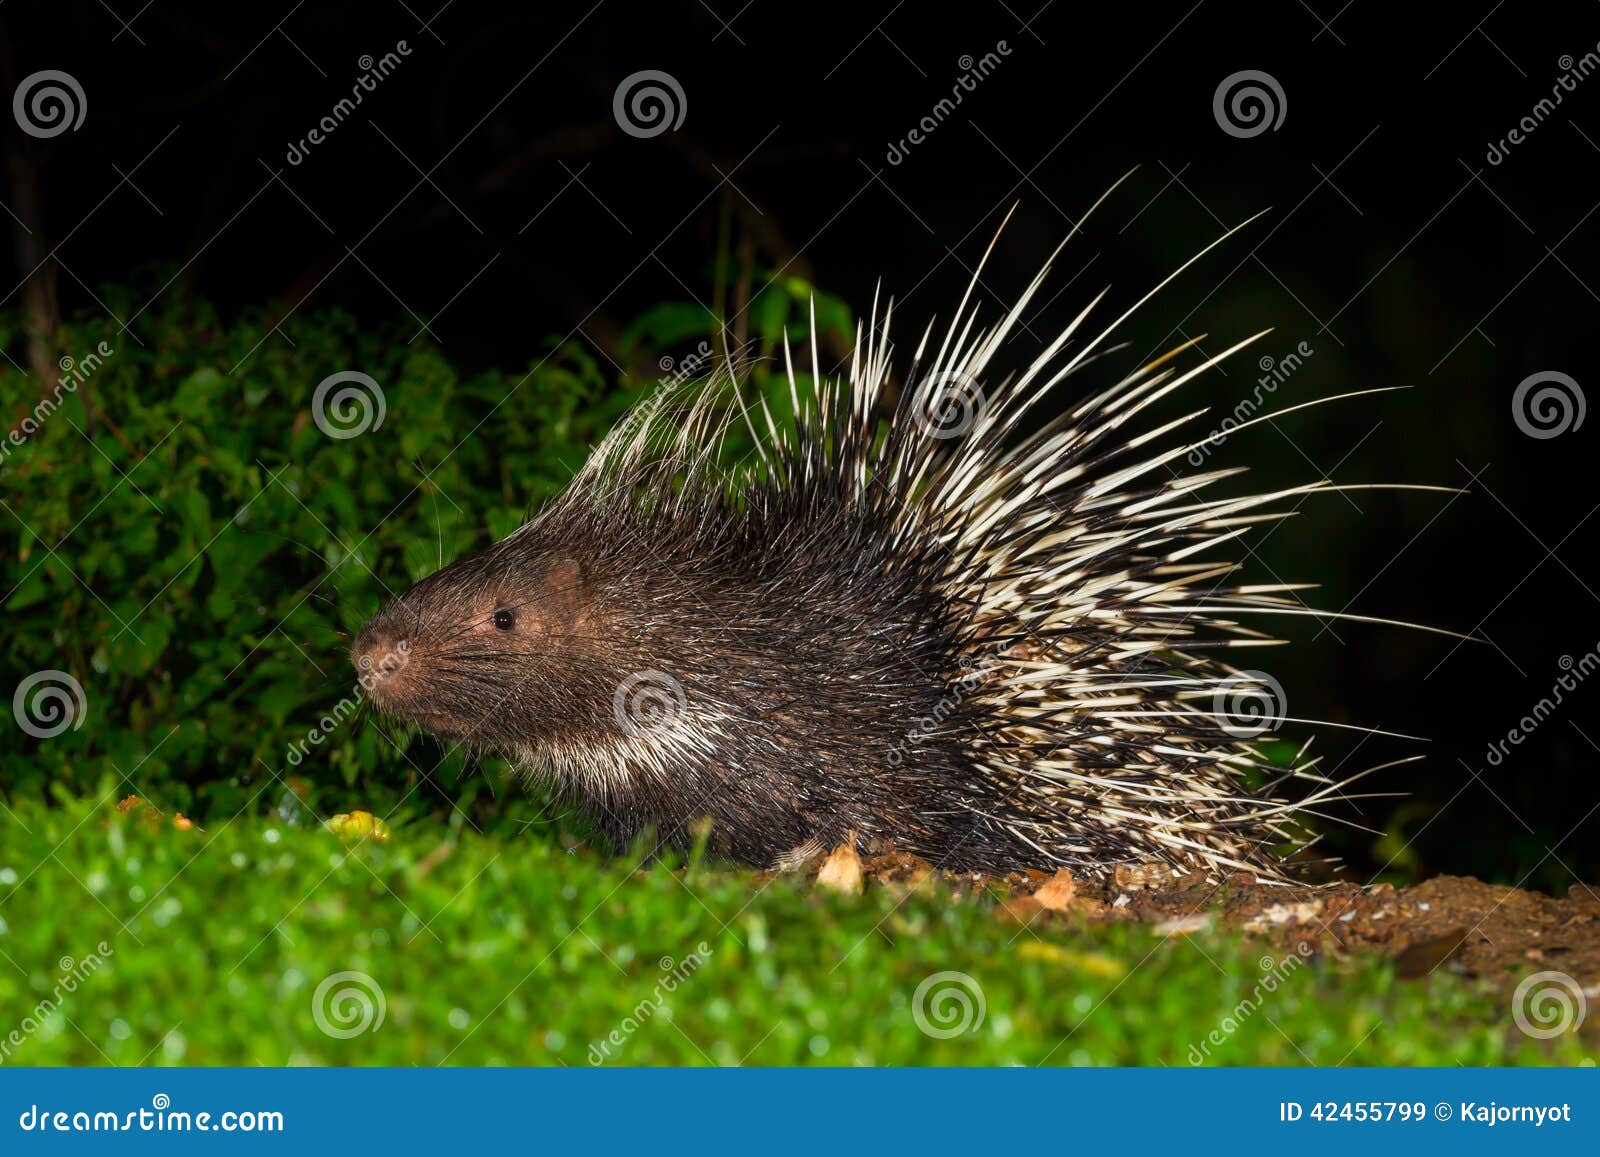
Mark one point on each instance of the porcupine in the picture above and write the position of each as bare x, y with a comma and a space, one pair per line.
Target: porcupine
940, 633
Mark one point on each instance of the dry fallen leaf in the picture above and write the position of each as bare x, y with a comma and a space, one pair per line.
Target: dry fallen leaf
841, 871
1043, 950
1279, 914
137, 805
1058, 892
1022, 909
1184, 925
1133, 876
1092, 963
897, 868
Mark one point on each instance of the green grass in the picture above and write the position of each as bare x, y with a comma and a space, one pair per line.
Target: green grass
516, 951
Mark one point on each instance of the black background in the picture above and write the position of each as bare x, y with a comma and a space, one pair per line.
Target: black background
485, 186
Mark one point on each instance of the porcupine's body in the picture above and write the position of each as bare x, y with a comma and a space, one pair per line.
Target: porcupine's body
943, 634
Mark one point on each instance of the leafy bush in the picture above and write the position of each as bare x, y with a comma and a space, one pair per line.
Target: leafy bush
186, 542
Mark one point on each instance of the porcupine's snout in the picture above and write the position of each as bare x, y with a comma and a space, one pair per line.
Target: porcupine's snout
382, 659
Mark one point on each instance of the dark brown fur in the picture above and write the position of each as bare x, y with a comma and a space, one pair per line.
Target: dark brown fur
806, 650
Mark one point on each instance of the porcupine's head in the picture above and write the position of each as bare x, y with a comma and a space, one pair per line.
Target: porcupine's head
492, 650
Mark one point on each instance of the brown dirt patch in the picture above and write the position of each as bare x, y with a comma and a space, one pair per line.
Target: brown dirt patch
1453, 922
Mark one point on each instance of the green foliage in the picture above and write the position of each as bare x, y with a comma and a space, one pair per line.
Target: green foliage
781, 309
183, 537
185, 540
495, 952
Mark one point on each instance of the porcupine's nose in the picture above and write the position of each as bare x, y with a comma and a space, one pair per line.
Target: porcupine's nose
381, 657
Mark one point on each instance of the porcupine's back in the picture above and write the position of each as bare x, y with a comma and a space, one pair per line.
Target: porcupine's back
992, 648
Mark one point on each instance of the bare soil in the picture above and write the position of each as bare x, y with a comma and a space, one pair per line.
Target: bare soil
1453, 922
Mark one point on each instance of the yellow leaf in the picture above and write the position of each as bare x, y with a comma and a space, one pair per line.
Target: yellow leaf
359, 826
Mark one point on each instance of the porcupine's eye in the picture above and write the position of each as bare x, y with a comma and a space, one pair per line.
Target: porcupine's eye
505, 620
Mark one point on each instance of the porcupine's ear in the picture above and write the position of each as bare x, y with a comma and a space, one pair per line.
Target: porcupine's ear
563, 591
550, 603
